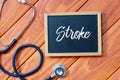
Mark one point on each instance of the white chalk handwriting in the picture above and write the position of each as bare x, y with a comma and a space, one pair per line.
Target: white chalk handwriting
66, 32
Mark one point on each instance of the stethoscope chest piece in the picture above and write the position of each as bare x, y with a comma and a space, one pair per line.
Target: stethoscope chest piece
59, 71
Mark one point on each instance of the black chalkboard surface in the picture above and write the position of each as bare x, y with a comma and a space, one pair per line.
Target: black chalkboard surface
73, 34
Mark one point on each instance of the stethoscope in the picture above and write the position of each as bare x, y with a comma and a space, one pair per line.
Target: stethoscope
17, 74
59, 70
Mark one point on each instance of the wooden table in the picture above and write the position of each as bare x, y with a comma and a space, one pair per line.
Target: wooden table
15, 15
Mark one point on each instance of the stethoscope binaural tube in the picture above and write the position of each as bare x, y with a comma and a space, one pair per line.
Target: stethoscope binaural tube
1, 6
23, 30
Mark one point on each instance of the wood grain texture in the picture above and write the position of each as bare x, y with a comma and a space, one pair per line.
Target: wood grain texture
79, 68
36, 37
110, 11
11, 13
64, 5
99, 68
115, 76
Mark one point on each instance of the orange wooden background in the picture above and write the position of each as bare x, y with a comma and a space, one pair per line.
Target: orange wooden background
14, 17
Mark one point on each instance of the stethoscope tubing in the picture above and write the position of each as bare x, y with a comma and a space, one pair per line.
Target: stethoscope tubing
1, 6
17, 74
29, 22
23, 30
9, 46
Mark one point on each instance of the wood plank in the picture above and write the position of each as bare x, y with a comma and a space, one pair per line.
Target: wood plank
36, 37
109, 9
12, 11
99, 68
64, 5
103, 18
116, 75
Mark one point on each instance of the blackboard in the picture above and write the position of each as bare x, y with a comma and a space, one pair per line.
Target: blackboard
73, 34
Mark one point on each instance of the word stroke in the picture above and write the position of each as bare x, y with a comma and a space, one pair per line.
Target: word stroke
66, 32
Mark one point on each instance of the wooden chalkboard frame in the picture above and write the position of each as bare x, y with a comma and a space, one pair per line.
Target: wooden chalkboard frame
99, 53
